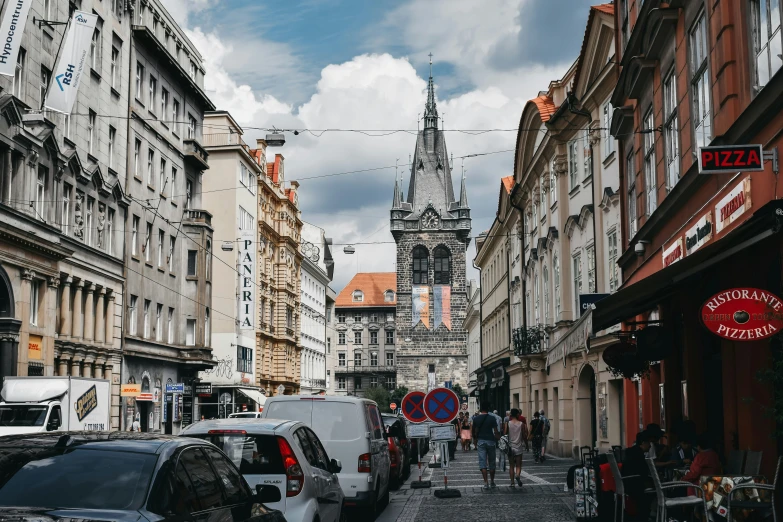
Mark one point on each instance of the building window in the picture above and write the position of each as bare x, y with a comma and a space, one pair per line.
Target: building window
34, 301
373, 317
537, 289
175, 116
671, 131
420, 266
65, 218
289, 317
389, 358
357, 359
207, 327
374, 359
208, 259
139, 80
388, 296
170, 258
164, 102
132, 314
173, 180
612, 243
341, 359
765, 15
161, 240
88, 222
91, 132
170, 326
374, 337
147, 318
542, 197
328, 345
192, 70
95, 49
358, 296
153, 92
357, 317
545, 279
112, 137
631, 175
340, 317
650, 178
587, 155
341, 383
244, 359
357, 338
700, 81
625, 22
147, 243
608, 140
192, 256
40, 192
442, 273
373, 382
591, 269
162, 175
391, 383
45, 77
136, 157
135, 236
556, 280
115, 66
19, 74
553, 182
159, 322
188, 193
119, 6
190, 332
341, 338
389, 317
573, 164
150, 163
191, 127
389, 336
577, 283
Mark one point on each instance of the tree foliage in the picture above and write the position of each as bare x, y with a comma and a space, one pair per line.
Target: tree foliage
381, 396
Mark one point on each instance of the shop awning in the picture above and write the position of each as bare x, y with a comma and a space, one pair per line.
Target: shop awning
576, 338
254, 395
647, 293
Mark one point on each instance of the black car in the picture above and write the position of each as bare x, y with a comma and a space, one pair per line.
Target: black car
124, 476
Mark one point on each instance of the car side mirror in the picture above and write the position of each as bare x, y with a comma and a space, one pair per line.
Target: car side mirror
266, 493
53, 424
335, 466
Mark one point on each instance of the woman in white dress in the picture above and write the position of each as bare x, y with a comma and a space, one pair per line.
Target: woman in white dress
517, 434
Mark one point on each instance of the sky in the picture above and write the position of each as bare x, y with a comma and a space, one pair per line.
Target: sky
347, 65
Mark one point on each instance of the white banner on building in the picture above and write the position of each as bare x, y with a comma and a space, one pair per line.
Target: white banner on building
73, 62
11, 31
247, 280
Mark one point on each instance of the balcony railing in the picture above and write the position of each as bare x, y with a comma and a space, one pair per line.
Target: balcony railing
222, 139
529, 341
196, 154
198, 216
354, 368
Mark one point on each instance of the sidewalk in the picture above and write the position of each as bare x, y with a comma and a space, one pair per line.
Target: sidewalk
541, 496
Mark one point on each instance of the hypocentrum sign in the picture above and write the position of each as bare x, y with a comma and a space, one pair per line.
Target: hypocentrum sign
743, 314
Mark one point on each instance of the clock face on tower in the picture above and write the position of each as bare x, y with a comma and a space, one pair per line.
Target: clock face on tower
429, 219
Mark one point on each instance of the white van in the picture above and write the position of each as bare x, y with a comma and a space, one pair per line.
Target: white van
351, 430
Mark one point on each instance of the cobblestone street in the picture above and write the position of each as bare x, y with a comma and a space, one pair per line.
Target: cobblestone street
542, 496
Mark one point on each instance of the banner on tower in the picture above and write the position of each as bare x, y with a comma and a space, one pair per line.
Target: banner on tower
73, 62
441, 295
421, 305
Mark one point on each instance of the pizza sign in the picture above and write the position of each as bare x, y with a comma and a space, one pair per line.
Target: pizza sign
743, 314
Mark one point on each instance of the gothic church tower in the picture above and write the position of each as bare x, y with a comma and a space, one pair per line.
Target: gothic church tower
432, 232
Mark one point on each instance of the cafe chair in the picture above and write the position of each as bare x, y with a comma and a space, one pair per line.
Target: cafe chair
753, 504
665, 503
619, 485
752, 463
735, 462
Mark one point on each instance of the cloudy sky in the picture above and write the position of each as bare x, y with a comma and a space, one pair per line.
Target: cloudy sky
357, 65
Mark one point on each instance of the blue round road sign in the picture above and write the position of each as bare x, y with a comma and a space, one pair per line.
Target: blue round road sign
441, 405
412, 407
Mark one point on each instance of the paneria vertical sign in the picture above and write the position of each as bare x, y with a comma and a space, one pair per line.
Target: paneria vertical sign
247, 280
72, 63
11, 31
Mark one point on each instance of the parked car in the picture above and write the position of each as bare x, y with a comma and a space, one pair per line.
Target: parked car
246, 415
285, 454
399, 448
351, 430
125, 476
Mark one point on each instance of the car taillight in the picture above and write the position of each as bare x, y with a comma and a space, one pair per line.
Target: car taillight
293, 471
365, 463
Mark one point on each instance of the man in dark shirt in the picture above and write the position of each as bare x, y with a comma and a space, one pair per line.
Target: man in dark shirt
635, 465
485, 431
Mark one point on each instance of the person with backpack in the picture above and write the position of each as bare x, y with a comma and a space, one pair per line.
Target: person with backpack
485, 431
547, 426
536, 435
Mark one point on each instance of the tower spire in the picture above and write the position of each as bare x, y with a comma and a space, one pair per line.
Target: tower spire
430, 110
397, 191
463, 193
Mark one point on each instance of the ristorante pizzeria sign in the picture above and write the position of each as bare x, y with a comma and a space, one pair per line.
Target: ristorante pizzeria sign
743, 314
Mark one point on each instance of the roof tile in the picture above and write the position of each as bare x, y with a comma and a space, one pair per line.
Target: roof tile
508, 182
373, 284
546, 107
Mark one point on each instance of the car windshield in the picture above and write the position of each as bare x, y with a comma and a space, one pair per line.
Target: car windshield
74, 478
22, 415
253, 455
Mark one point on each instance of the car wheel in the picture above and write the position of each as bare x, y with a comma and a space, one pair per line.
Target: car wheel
384, 501
371, 511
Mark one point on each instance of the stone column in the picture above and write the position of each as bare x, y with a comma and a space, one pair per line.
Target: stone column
110, 319
89, 312
62, 366
100, 368
8, 175
76, 363
87, 367
100, 317
78, 319
65, 308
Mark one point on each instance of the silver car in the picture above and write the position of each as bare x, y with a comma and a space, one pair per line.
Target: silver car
285, 454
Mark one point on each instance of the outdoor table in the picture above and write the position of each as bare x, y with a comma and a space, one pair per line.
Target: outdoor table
716, 493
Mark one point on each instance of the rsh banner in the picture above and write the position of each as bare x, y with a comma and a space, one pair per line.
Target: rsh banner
73, 62
11, 31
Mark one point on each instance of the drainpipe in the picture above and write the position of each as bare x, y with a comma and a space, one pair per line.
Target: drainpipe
572, 101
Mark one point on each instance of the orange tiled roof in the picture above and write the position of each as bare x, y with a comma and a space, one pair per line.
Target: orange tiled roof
546, 107
604, 8
373, 284
508, 182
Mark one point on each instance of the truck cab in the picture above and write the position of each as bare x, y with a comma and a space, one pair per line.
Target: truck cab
32, 405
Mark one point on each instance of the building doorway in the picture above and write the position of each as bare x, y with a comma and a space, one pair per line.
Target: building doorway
586, 407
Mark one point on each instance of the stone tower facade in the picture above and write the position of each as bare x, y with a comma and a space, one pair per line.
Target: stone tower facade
432, 232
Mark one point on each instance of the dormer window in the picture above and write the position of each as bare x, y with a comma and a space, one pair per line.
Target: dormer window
358, 296
388, 296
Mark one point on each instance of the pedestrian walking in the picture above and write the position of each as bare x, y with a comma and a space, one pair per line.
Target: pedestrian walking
466, 433
544, 440
136, 425
536, 435
517, 432
527, 429
485, 431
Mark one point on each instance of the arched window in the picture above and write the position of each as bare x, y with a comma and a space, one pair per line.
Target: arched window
556, 276
358, 296
546, 296
209, 259
442, 266
420, 266
388, 296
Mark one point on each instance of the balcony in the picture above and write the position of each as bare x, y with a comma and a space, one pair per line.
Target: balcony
364, 369
529, 341
222, 139
195, 154
197, 217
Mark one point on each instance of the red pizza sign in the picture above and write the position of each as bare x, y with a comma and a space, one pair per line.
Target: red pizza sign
731, 158
743, 314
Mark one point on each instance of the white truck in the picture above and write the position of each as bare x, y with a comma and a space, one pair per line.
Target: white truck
40, 404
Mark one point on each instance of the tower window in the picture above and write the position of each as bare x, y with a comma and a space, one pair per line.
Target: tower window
442, 266
420, 266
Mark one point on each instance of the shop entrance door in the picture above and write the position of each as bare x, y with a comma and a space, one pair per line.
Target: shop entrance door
587, 407
143, 413
169, 414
